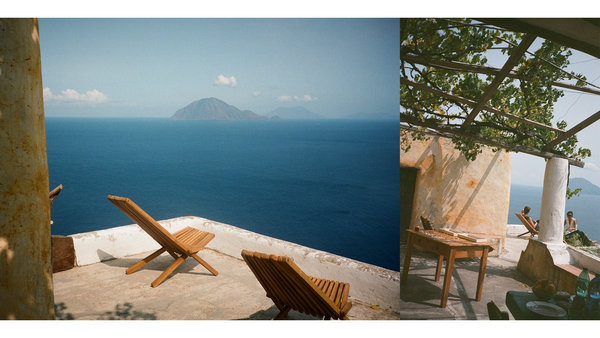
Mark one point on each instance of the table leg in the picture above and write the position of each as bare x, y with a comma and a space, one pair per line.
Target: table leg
482, 266
438, 271
448, 277
407, 256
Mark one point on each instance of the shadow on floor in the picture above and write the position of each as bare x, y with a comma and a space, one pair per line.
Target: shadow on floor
271, 313
123, 311
160, 264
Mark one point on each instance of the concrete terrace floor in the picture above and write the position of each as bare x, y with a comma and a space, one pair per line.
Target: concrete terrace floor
103, 291
420, 296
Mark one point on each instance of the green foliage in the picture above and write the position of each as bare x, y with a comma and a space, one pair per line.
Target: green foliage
573, 240
459, 40
571, 193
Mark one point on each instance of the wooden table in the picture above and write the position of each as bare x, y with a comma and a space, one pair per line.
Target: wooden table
450, 247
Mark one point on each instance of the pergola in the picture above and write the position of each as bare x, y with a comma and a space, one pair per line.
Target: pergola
579, 34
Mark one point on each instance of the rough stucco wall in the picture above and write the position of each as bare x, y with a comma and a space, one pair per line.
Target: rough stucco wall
454, 193
25, 258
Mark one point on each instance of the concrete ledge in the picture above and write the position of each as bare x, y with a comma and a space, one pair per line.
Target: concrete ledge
558, 262
368, 283
569, 274
516, 229
584, 259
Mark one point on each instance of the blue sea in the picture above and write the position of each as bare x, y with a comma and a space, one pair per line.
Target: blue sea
586, 208
331, 185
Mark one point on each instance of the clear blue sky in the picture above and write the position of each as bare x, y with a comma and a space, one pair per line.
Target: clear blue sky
148, 67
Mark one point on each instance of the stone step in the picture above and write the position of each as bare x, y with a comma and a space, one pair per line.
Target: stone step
568, 275
574, 270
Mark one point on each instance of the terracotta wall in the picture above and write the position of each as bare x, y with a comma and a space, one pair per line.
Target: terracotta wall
454, 193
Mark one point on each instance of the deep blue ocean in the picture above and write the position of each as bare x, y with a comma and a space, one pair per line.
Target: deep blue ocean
586, 208
331, 185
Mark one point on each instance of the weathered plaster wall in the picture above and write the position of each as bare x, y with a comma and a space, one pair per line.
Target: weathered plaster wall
25, 262
455, 193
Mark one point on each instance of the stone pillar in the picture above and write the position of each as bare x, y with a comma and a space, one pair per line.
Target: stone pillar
26, 289
552, 211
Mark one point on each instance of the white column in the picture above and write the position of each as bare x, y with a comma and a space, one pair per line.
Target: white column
552, 211
26, 289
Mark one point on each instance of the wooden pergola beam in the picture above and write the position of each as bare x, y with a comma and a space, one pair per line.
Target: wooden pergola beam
458, 66
506, 68
473, 103
573, 131
486, 140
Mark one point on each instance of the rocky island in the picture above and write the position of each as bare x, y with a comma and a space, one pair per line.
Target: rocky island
586, 186
214, 109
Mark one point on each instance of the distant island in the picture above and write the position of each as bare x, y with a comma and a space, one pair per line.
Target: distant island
294, 113
372, 116
214, 109
586, 186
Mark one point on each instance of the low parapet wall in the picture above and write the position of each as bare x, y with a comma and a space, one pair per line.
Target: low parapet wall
369, 283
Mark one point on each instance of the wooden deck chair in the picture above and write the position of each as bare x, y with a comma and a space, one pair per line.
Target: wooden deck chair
426, 223
530, 229
52, 196
291, 289
494, 312
181, 244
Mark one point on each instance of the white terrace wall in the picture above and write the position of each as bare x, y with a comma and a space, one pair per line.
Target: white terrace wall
368, 283
454, 193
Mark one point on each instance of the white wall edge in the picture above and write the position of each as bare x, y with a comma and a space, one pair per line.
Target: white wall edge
515, 229
368, 283
584, 259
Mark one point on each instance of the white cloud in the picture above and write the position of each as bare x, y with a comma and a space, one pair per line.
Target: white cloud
287, 98
591, 166
72, 95
305, 98
284, 98
226, 81
256, 93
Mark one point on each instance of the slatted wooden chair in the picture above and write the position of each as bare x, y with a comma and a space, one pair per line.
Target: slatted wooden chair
426, 223
182, 244
494, 312
291, 289
530, 229
53, 195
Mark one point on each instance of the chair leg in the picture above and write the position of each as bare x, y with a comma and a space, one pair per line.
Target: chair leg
204, 264
173, 254
283, 313
145, 260
345, 309
168, 271
525, 233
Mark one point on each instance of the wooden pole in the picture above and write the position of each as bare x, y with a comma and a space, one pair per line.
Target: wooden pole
485, 140
573, 131
508, 66
461, 66
473, 103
